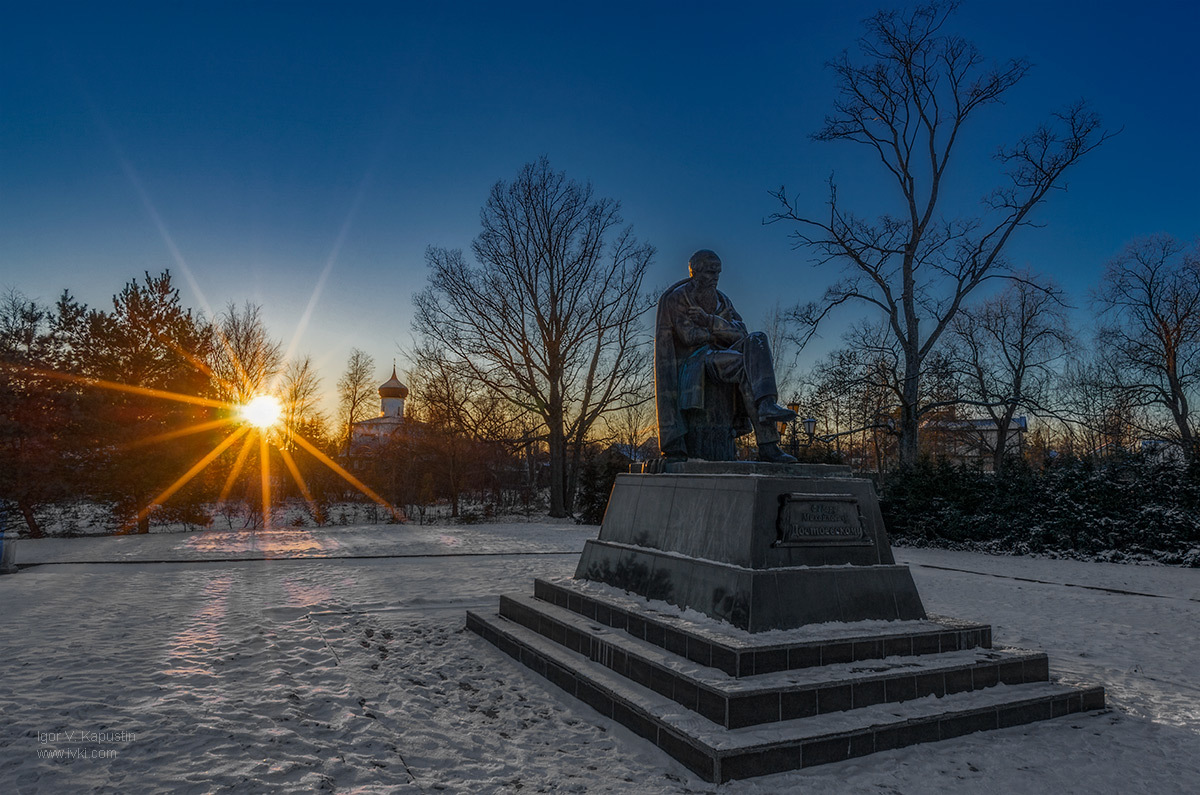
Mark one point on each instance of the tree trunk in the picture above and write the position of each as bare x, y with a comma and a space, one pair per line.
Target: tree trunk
1002, 426
558, 462
35, 529
452, 475
530, 467
1179, 412
998, 453
911, 388
909, 443
573, 474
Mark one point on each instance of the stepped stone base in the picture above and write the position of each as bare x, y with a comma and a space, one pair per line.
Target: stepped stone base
738, 653
807, 644
730, 704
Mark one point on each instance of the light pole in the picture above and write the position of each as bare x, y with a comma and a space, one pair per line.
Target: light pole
794, 407
810, 428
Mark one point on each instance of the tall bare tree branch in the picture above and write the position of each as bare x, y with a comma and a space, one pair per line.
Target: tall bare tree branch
548, 316
909, 101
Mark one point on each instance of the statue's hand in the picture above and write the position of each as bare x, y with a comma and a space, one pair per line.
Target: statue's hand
728, 336
699, 316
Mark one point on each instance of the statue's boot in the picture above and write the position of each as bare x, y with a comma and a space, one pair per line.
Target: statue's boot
772, 454
770, 411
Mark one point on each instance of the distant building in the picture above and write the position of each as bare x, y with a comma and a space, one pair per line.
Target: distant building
367, 435
1162, 451
972, 442
645, 451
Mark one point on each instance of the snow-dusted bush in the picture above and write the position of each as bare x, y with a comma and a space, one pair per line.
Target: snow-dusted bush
1113, 509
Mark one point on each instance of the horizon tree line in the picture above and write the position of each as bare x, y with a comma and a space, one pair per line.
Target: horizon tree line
1013, 352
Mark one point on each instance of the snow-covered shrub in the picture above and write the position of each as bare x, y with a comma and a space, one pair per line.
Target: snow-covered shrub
1119, 508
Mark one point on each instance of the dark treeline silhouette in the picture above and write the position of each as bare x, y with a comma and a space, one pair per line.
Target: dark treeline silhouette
1013, 378
81, 400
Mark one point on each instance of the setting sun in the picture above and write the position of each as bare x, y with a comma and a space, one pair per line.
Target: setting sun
262, 412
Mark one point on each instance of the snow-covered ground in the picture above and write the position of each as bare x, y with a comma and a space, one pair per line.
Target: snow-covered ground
304, 660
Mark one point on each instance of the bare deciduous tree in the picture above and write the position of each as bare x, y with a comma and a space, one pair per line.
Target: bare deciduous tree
456, 414
300, 395
1150, 297
356, 392
548, 317
631, 428
245, 358
783, 350
852, 393
1008, 348
1097, 416
908, 104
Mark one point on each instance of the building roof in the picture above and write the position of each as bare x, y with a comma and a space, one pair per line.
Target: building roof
984, 424
392, 388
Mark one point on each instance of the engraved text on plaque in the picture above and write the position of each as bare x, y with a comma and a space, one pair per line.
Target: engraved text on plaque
820, 520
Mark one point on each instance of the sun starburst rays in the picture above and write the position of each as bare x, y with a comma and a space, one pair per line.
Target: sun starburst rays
196, 469
260, 430
346, 476
179, 433
116, 386
290, 463
254, 426
231, 479
264, 458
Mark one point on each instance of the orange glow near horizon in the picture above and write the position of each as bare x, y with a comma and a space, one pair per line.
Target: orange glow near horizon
250, 423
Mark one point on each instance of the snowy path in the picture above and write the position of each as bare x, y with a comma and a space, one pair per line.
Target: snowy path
372, 541
354, 674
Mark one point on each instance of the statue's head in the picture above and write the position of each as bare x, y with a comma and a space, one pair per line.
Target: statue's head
705, 269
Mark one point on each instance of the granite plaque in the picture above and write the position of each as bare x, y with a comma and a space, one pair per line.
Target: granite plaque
820, 520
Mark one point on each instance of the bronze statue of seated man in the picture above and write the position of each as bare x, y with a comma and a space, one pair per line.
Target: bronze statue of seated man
700, 345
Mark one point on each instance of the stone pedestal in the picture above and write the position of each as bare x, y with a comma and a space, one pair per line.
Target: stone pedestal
854, 665
8, 556
761, 546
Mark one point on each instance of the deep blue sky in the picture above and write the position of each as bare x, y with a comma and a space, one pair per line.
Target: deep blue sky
258, 144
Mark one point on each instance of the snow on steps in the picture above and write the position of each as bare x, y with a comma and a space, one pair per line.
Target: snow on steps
724, 727
780, 695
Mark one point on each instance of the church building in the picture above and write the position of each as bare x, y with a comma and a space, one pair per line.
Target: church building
371, 433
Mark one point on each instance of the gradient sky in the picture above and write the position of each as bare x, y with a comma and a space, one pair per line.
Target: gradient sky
277, 152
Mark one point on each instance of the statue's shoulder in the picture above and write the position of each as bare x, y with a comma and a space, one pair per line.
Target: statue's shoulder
676, 292
668, 306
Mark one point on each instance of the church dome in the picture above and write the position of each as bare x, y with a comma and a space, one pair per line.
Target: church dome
392, 388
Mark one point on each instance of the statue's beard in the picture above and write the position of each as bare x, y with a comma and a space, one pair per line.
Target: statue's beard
707, 297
